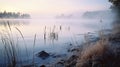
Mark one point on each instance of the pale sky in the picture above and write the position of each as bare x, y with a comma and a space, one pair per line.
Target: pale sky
52, 6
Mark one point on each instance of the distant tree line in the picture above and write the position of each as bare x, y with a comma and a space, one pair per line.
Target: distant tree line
13, 15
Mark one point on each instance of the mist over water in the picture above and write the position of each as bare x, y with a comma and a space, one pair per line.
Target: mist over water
53, 31
68, 31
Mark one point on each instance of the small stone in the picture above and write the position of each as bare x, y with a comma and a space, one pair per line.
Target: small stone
43, 55
42, 66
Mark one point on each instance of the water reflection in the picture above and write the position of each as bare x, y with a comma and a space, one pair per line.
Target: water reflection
48, 32
52, 33
13, 22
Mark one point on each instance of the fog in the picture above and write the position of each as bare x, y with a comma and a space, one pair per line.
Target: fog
55, 27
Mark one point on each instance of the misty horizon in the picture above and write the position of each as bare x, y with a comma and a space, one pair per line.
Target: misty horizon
38, 8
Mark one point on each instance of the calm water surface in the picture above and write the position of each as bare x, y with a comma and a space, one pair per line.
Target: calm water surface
67, 31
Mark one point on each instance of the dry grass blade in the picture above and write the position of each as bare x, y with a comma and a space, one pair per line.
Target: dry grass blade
23, 40
9, 47
9, 25
45, 34
93, 52
20, 32
34, 47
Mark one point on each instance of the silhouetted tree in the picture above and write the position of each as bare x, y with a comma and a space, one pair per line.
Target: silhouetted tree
115, 2
116, 7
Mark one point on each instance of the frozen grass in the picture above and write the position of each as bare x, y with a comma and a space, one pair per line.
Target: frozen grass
96, 49
92, 52
103, 53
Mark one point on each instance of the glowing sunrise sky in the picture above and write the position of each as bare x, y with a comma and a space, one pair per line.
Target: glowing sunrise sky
52, 6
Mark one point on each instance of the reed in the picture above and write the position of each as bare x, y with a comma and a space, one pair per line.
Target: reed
11, 49
45, 35
34, 49
24, 41
9, 45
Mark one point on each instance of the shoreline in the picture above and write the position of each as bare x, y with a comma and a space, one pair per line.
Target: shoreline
104, 47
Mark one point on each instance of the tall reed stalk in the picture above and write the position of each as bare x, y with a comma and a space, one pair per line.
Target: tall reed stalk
24, 41
34, 49
11, 49
9, 45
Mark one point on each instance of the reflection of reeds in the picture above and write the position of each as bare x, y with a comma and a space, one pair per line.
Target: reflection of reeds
60, 27
52, 34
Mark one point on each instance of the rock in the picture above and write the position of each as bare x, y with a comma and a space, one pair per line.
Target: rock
73, 49
42, 66
58, 56
43, 55
70, 44
60, 64
30, 65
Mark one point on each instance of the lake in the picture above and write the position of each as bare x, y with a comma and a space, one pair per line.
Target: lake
51, 35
